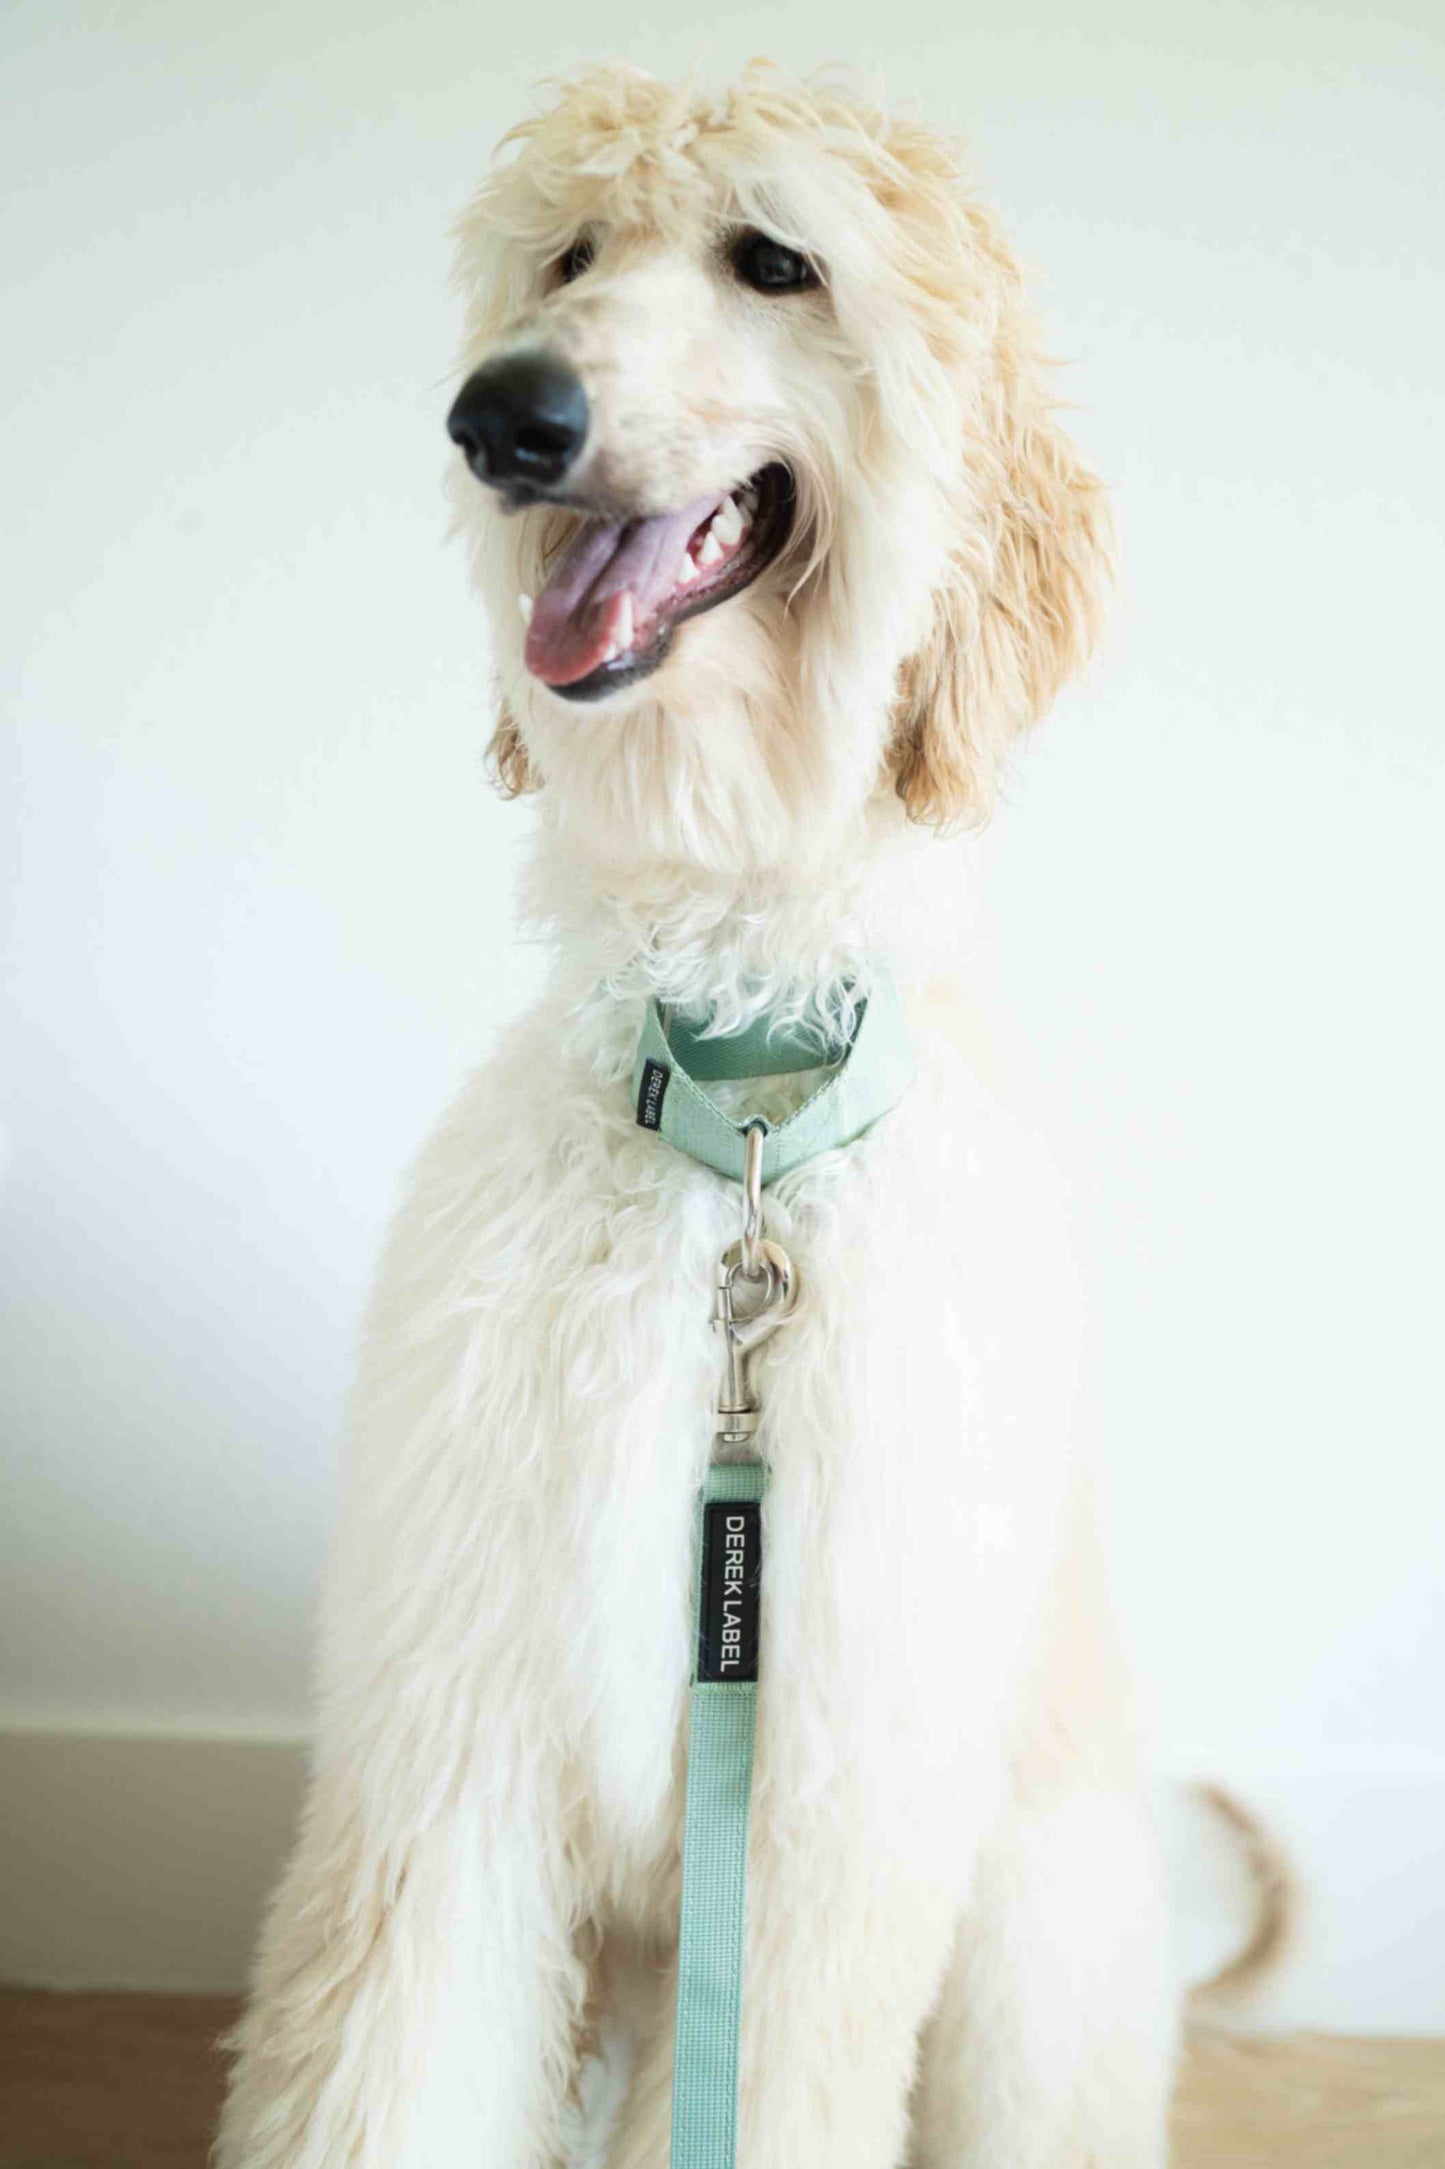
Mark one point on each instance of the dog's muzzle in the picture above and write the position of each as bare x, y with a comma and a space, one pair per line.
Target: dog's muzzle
521, 422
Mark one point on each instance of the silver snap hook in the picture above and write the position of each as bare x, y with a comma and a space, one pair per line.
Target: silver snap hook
746, 1313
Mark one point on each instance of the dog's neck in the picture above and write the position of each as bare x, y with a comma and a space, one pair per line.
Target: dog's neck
734, 945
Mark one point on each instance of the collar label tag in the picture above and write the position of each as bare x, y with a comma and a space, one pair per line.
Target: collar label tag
652, 1091
732, 1570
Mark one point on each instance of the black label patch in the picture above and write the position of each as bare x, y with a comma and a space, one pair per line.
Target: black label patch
656, 1076
732, 1572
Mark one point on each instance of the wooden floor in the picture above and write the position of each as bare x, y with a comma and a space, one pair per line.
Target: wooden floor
133, 2082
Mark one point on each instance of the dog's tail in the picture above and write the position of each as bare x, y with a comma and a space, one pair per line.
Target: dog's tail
1273, 1903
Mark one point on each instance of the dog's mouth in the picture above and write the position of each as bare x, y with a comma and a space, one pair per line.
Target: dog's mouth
620, 588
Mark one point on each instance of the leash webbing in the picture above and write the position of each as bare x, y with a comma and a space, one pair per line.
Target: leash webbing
714, 1871
862, 1078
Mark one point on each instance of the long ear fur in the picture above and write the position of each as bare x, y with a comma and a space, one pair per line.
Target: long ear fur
1021, 604
508, 758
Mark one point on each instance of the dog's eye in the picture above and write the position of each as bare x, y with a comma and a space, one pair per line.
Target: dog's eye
577, 259
769, 266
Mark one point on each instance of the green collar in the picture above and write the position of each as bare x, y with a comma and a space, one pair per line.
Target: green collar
873, 1071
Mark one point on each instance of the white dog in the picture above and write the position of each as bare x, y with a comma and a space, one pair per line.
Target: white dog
798, 549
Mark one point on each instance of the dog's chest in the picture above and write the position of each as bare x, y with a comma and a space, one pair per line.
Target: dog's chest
536, 1411
914, 1466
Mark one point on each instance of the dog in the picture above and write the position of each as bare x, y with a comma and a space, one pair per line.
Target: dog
783, 547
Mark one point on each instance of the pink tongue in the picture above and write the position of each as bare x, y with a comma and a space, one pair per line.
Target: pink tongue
577, 616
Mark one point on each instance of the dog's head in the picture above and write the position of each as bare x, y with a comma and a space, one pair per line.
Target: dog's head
791, 525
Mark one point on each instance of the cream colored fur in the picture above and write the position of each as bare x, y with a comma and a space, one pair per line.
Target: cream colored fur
956, 1941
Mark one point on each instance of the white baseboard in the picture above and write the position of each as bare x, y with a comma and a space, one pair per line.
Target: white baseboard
143, 1863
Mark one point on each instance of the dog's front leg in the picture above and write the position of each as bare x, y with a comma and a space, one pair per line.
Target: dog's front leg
845, 1951
415, 2001
418, 1987
1052, 2042
417, 1991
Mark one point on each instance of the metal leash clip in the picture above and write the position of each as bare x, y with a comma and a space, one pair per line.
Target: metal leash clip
756, 1291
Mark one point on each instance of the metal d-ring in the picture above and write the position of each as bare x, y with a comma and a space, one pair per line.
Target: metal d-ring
753, 1264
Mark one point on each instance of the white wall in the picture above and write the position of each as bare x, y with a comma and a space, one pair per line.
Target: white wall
260, 891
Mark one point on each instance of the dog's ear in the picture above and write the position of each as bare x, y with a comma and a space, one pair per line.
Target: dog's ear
1021, 602
508, 758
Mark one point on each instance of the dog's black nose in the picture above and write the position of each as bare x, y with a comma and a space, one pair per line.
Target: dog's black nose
520, 421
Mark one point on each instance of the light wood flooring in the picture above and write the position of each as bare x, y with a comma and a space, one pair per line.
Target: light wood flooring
133, 2082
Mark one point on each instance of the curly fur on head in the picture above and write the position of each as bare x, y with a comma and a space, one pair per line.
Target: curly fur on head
946, 563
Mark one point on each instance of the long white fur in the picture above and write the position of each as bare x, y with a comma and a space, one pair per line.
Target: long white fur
956, 1946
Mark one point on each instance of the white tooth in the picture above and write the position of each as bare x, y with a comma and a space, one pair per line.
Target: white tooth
746, 511
524, 604
748, 497
686, 571
727, 525
611, 652
710, 550
626, 622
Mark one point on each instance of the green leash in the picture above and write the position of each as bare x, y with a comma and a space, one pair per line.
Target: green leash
755, 1293
715, 1848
